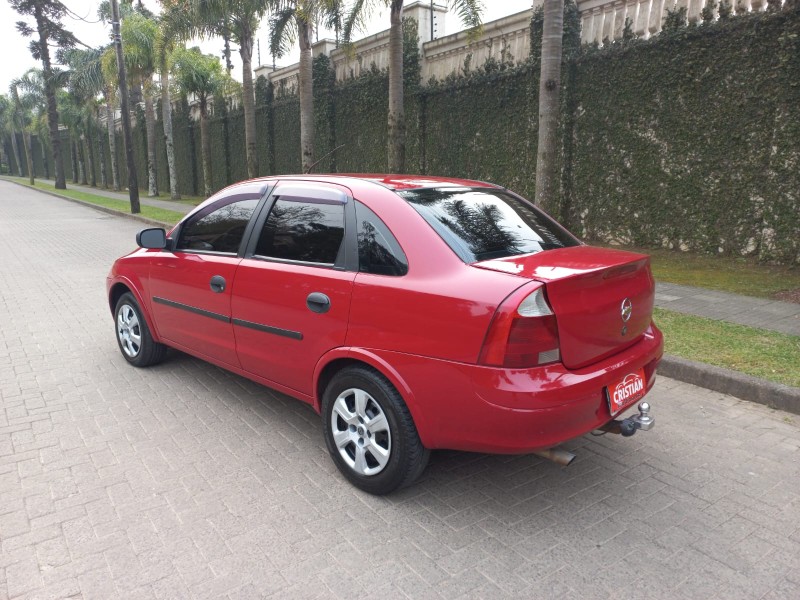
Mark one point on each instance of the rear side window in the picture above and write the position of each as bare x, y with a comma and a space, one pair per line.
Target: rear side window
218, 229
305, 231
378, 250
483, 223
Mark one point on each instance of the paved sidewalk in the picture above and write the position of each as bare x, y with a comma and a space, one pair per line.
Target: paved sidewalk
185, 481
762, 313
161, 202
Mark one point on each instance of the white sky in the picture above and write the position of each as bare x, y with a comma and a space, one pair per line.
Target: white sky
17, 58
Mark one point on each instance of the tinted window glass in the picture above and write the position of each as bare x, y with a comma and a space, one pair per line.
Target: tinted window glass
378, 250
481, 224
302, 230
220, 230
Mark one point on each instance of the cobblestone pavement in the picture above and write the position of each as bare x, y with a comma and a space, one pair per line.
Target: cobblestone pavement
744, 310
184, 481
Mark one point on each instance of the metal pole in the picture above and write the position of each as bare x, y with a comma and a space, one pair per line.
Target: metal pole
133, 181
431, 20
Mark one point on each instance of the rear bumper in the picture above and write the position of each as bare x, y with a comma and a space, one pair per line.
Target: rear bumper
486, 409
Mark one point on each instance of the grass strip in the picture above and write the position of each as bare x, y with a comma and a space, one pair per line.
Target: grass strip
757, 352
151, 212
738, 275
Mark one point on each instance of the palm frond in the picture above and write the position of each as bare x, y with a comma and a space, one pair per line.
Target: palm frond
283, 32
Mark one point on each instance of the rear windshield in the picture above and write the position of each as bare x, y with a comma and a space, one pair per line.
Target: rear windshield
481, 224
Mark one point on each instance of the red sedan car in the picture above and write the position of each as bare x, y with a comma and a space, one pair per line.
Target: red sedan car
413, 313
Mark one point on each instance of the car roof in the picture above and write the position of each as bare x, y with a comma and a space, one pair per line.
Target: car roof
392, 182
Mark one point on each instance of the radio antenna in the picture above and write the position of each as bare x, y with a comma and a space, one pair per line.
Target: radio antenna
311, 168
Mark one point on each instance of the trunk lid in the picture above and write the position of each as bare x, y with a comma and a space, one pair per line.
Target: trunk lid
591, 290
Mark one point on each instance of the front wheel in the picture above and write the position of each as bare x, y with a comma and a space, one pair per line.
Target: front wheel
370, 433
133, 335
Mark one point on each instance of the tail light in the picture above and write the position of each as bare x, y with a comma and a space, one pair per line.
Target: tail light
523, 332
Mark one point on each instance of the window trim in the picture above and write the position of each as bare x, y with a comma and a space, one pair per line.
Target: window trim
347, 258
261, 196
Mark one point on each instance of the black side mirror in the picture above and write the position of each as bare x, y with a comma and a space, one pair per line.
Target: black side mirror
152, 238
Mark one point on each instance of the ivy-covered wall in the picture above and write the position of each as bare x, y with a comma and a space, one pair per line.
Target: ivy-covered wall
692, 140
688, 140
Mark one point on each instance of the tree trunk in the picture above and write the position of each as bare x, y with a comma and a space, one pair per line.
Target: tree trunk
122, 77
74, 156
45, 161
306, 96
81, 161
112, 146
248, 102
205, 147
50, 92
166, 117
150, 127
17, 155
26, 141
397, 119
549, 92
90, 153
101, 157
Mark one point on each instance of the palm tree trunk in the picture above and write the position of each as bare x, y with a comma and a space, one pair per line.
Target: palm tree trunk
248, 102
205, 147
17, 155
45, 161
306, 96
26, 141
50, 92
101, 157
150, 127
112, 146
81, 162
74, 156
549, 92
166, 117
397, 119
90, 153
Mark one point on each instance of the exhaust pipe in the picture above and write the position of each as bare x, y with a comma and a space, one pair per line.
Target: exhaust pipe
557, 455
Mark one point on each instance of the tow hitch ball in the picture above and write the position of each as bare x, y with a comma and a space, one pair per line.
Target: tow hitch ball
627, 427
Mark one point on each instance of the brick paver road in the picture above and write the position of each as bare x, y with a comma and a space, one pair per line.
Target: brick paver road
183, 481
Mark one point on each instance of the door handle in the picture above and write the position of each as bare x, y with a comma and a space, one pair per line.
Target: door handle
217, 284
318, 302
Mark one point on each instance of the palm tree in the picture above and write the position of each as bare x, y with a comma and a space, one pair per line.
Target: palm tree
173, 26
139, 34
86, 82
5, 127
549, 88
7, 110
470, 13
238, 20
22, 117
294, 22
202, 75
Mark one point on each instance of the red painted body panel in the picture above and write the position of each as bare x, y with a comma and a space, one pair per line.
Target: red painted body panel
184, 277
424, 331
274, 294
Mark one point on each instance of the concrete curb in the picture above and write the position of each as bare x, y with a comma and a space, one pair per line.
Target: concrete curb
104, 209
746, 387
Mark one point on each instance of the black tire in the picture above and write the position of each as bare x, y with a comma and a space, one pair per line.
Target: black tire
407, 457
133, 336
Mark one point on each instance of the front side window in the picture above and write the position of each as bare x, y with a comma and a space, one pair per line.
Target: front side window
303, 230
217, 229
379, 252
486, 223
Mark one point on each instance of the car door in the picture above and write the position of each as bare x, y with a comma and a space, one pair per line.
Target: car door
291, 297
190, 287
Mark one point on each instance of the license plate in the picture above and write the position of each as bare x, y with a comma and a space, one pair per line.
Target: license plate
626, 391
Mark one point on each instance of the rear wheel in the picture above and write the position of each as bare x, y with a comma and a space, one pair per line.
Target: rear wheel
370, 433
133, 335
